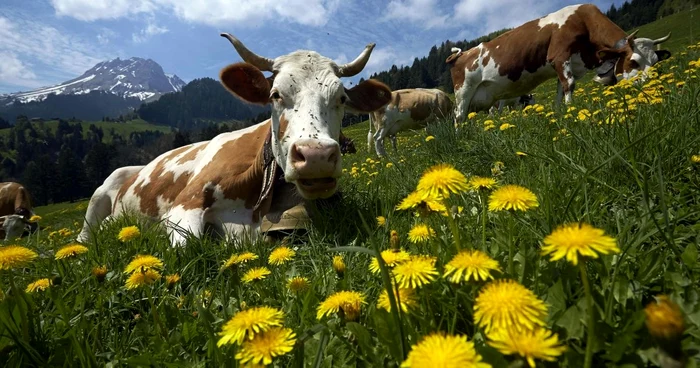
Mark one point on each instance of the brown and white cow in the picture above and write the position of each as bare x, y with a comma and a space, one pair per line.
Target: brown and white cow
226, 185
15, 210
408, 109
565, 44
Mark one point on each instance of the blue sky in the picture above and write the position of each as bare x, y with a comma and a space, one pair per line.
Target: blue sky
45, 42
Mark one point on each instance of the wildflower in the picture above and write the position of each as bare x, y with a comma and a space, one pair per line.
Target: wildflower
497, 168
339, 265
572, 240
171, 280
441, 180
38, 285
141, 278
405, 298
489, 122
266, 345
391, 258
680, 84
245, 324
471, 115
254, 274
506, 303
381, 220
489, 127
142, 263
664, 319
416, 272
539, 108
695, 159
506, 126
480, 183
100, 272
70, 251
470, 263
281, 255
583, 114
35, 218
534, 344
420, 233
14, 256
394, 240
128, 233
429, 138
297, 284
237, 259
349, 302
512, 197
417, 200
445, 351
521, 154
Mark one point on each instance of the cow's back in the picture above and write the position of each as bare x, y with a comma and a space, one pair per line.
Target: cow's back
13, 195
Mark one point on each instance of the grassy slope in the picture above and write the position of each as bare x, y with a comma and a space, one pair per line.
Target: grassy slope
123, 129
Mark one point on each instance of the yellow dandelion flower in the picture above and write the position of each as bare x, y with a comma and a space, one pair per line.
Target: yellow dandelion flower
520, 153
99, 272
504, 303
468, 264
142, 263
391, 257
429, 138
128, 233
506, 126
574, 240
695, 159
489, 127
444, 351
381, 220
512, 197
416, 272
498, 168
237, 259
245, 324
389, 165
664, 319
420, 233
70, 251
254, 274
440, 181
35, 218
297, 284
534, 344
38, 285
405, 298
281, 255
171, 280
471, 115
339, 265
481, 183
141, 278
14, 256
417, 200
349, 302
266, 345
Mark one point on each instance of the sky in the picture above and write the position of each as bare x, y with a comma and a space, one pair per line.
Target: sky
46, 42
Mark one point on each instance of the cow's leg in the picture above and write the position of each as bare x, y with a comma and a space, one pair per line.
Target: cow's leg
99, 208
379, 141
393, 142
567, 82
370, 135
182, 222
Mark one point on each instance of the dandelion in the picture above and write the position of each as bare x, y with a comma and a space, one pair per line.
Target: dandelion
572, 240
171, 280
254, 274
418, 201
429, 138
35, 218
245, 324
381, 220
349, 302
394, 240
281, 255
506, 126
504, 303
142, 278
664, 319
389, 165
440, 181
534, 344
480, 183
70, 251
444, 351
339, 265
99, 272
405, 298
391, 258
695, 159
471, 115
14, 256
497, 168
38, 285
417, 271
468, 264
266, 345
237, 259
420, 233
143, 263
128, 233
297, 284
512, 197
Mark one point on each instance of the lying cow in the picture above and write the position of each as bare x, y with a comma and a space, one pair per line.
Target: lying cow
408, 109
565, 44
227, 185
15, 211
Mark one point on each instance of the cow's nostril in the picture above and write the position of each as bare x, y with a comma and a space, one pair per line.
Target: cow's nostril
297, 156
333, 157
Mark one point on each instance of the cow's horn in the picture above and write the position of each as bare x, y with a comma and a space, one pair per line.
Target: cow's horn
631, 35
356, 66
248, 56
662, 39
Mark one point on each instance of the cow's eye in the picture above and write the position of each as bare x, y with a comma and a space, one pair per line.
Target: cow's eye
275, 95
343, 99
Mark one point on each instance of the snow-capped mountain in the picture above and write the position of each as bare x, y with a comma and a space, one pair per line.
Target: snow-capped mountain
135, 77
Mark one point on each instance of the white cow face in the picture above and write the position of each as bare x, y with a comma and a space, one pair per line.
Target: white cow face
308, 101
636, 56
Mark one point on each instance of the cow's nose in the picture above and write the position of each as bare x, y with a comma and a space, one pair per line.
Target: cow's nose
315, 159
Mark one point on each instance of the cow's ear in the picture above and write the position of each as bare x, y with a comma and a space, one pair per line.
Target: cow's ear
246, 82
368, 96
663, 54
608, 54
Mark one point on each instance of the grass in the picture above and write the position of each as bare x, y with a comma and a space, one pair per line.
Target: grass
619, 159
123, 129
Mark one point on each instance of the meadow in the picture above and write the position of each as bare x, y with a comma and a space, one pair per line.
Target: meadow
477, 270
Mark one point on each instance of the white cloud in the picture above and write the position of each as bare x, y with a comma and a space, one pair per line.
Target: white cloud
92, 10
105, 36
13, 71
422, 12
383, 58
489, 16
149, 31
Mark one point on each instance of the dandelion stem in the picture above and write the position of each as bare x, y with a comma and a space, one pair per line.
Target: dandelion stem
24, 317
591, 320
483, 221
511, 267
455, 231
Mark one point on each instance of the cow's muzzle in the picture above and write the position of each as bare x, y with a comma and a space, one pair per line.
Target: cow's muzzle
316, 167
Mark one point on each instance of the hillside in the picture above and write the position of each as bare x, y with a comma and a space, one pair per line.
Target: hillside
110, 128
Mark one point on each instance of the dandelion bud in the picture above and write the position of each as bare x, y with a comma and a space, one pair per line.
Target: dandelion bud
100, 273
171, 280
665, 323
394, 240
339, 266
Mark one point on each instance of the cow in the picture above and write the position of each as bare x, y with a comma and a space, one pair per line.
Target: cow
522, 101
16, 211
226, 185
408, 109
347, 145
565, 44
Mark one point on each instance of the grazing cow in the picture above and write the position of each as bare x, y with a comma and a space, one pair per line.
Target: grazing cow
565, 44
226, 185
15, 211
347, 145
408, 109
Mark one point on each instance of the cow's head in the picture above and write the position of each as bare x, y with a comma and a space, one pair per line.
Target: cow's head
347, 145
308, 101
631, 56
